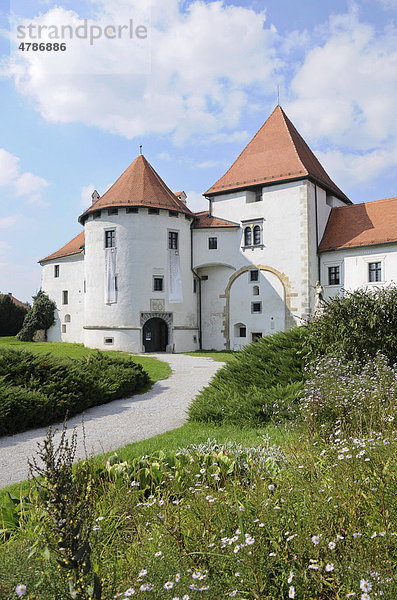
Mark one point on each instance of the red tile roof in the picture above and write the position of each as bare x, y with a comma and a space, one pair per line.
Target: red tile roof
365, 224
139, 185
75, 246
276, 153
16, 301
203, 220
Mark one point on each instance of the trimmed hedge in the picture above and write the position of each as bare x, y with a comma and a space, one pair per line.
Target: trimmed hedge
259, 384
36, 390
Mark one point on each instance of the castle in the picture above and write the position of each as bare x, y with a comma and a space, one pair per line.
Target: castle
147, 274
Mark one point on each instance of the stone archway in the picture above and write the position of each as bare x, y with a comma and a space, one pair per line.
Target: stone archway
289, 321
157, 317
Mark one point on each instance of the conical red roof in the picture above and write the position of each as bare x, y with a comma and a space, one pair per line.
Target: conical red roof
139, 185
75, 246
276, 153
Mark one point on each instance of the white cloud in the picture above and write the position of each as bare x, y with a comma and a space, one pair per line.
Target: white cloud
17, 183
210, 164
196, 202
86, 192
202, 62
164, 156
6, 222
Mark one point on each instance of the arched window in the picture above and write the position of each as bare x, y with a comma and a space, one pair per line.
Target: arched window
240, 330
257, 235
247, 236
67, 319
255, 290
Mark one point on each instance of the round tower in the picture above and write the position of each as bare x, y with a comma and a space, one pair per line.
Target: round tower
139, 286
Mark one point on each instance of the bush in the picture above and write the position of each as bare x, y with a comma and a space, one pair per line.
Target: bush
41, 316
11, 316
350, 398
40, 389
356, 325
261, 383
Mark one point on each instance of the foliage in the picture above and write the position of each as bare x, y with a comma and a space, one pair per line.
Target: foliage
259, 384
36, 390
224, 521
41, 316
349, 396
356, 325
11, 316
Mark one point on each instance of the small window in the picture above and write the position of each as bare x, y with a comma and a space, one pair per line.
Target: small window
257, 235
375, 271
116, 283
243, 332
333, 276
258, 195
255, 336
56, 270
85, 286
65, 297
153, 211
212, 243
172, 213
110, 238
188, 217
254, 275
194, 286
158, 284
108, 341
67, 319
96, 214
131, 209
113, 211
255, 290
63, 328
173, 240
256, 307
247, 236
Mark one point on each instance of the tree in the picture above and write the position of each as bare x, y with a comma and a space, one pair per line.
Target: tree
41, 316
11, 316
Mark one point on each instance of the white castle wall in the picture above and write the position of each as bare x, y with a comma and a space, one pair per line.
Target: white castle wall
68, 317
142, 252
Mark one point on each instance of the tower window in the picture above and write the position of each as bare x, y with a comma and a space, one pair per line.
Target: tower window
255, 290
256, 307
375, 271
254, 275
158, 284
172, 213
257, 235
212, 243
255, 336
153, 211
173, 240
56, 270
131, 209
247, 236
258, 195
65, 297
113, 211
96, 214
333, 276
110, 238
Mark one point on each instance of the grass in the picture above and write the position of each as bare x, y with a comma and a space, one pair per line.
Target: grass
155, 368
221, 356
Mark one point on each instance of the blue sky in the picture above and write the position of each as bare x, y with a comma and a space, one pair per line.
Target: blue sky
192, 93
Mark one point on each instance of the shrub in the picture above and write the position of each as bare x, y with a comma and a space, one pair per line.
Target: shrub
41, 316
41, 389
261, 383
11, 316
349, 397
356, 325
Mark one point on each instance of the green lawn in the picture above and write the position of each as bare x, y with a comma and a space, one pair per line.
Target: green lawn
221, 356
156, 369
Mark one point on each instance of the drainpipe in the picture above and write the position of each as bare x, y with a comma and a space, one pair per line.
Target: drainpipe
198, 278
318, 254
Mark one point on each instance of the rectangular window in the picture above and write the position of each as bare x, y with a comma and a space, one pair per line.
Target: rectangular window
153, 211
85, 286
256, 307
131, 209
110, 238
63, 328
56, 270
173, 240
258, 195
172, 213
255, 336
375, 271
116, 283
96, 214
254, 275
65, 297
212, 243
333, 276
158, 284
243, 332
113, 211
194, 286
108, 341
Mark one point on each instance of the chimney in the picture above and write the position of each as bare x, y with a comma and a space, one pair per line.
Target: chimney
95, 196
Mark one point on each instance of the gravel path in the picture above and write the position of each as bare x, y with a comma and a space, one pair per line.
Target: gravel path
118, 423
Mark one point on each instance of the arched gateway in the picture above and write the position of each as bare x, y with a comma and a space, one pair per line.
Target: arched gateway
155, 335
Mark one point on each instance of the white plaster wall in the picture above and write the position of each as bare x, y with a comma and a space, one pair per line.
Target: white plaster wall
213, 305
353, 264
71, 278
142, 251
271, 295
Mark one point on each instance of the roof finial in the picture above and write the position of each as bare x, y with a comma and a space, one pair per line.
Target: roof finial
140, 149
278, 95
